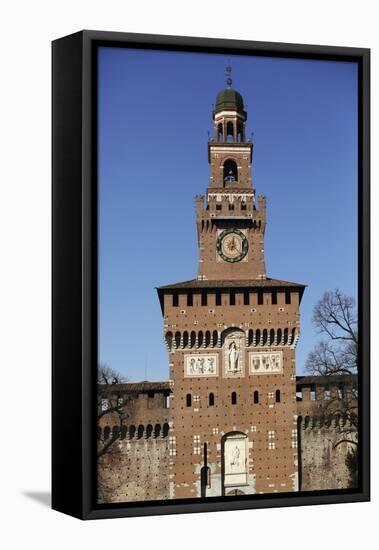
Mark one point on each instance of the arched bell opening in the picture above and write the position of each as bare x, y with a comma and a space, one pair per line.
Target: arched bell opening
220, 133
230, 171
229, 131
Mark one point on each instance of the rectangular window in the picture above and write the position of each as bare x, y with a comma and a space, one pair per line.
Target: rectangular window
104, 404
327, 394
271, 439
274, 297
175, 299
172, 445
218, 298
150, 399
246, 298
294, 439
341, 391
190, 299
196, 445
260, 298
312, 393
204, 299
288, 297
299, 393
166, 401
232, 298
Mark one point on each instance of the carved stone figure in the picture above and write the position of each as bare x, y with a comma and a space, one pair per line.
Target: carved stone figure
235, 458
233, 357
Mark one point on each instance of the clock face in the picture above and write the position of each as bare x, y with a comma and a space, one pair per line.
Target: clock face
232, 245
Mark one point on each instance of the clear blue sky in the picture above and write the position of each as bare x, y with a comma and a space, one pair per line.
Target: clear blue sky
155, 111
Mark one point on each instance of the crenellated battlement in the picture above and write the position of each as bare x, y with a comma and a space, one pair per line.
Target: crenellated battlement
233, 206
332, 422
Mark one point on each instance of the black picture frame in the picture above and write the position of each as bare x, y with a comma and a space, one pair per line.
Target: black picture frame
74, 272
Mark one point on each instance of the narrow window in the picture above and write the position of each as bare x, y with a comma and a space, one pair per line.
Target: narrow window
341, 391
104, 404
299, 393
150, 399
204, 300
256, 397
166, 401
260, 298
188, 400
277, 396
288, 297
246, 298
175, 299
354, 392
189, 299
232, 297
211, 399
234, 398
274, 297
327, 394
271, 440
312, 393
218, 298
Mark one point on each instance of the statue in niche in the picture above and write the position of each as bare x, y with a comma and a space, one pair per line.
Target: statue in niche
233, 357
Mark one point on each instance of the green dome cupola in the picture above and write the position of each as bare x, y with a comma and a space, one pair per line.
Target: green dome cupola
229, 99
229, 114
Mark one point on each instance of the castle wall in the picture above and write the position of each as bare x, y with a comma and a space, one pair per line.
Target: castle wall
141, 462
322, 461
134, 470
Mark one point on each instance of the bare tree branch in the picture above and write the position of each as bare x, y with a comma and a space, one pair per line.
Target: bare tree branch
335, 318
109, 403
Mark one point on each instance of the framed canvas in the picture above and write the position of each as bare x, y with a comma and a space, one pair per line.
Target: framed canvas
210, 275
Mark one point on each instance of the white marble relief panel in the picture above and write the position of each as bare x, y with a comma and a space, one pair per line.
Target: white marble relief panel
266, 363
205, 364
235, 460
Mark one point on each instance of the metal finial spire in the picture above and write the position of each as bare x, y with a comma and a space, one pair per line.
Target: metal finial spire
228, 74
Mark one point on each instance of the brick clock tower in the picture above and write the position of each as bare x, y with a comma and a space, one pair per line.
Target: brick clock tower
231, 335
